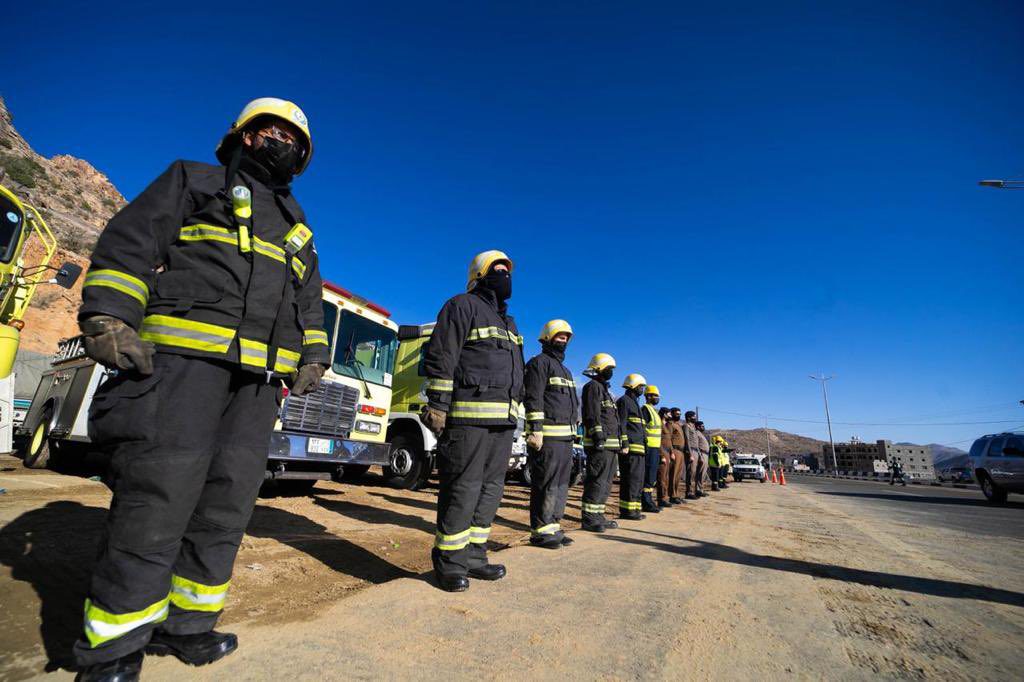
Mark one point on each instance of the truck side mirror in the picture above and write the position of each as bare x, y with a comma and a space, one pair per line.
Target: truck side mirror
67, 275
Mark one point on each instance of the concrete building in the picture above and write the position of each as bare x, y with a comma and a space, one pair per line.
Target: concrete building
857, 455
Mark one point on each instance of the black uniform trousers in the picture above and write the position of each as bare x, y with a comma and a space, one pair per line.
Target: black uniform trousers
653, 461
188, 448
472, 461
597, 484
632, 468
550, 469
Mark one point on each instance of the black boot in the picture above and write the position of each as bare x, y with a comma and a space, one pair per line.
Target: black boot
663, 504
198, 649
488, 572
124, 669
593, 527
611, 523
566, 540
676, 500
452, 583
548, 542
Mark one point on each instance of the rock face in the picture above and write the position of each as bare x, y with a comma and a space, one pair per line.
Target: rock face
76, 200
783, 444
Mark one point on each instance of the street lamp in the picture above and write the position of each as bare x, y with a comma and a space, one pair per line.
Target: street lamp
828, 418
1003, 184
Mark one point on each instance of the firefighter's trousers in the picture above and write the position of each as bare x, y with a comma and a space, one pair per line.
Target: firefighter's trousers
597, 485
188, 449
550, 469
471, 462
631, 483
651, 477
668, 476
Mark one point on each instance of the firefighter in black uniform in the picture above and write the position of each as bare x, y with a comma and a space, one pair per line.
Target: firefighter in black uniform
552, 412
474, 369
652, 427
632, 460
203, 293
601, 440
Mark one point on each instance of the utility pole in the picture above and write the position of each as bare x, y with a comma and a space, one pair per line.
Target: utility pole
768, 439
824, 394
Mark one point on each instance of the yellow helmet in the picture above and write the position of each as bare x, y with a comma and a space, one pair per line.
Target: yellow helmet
718, 439
652, 390
600, 361
482, 264
554, 327
266, 106
633, 380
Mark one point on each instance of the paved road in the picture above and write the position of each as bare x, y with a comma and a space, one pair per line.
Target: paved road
964, 510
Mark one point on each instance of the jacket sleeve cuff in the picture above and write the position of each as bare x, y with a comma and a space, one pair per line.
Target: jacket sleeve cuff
316, 354
439, 400
128, 312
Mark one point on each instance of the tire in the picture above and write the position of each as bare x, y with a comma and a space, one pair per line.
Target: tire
993, 493
409, 468
37, 446
737, 478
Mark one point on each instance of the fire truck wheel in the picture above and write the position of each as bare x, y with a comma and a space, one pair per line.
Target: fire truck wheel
37, 448
409, 469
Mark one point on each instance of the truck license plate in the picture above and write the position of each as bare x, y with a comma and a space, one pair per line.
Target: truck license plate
320, 446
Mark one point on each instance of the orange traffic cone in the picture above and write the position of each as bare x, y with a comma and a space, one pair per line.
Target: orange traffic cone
782, 477
774, 480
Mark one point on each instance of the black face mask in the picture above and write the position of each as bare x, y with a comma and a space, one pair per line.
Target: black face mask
279, 159
559, 346
499, 282
606, 373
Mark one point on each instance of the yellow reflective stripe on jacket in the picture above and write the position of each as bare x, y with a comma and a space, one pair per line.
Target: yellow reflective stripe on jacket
636, 420
442, 385
298, 267
607, 403
265, 248
534, 416
561, 381
549, 529
481, 333
119, 281
314, 336
465, 409
609, 443
174, 331
102, 626
596, 428
637, 447
252, 353
192, 596
287, 361
478, 535
195, 233
555, 430
297, 238
450, 543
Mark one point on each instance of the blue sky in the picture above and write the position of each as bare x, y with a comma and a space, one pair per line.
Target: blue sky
725, 196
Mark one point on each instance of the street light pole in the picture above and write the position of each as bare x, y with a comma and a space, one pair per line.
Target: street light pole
1002, 184
828, 419
768, 439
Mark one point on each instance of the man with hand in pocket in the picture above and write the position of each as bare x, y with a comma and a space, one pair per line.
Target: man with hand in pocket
203, 294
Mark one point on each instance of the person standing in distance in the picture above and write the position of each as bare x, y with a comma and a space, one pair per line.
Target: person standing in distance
602, 436
652, 427
474, 368
634, 448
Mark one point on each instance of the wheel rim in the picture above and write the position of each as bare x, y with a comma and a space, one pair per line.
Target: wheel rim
986, 486
401, 461
37, 440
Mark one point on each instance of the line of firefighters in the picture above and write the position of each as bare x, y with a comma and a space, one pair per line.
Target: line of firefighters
478, 385
203, 295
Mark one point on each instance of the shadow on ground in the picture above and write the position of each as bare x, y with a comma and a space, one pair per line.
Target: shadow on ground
53, 548
908, 583
927, 499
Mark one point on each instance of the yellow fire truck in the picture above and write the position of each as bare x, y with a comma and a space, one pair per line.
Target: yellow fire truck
18, 222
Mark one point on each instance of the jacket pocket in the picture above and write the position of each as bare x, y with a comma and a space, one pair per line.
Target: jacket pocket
187, 287
485, 380
124, 409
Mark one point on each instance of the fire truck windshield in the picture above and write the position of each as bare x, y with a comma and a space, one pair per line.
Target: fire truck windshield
363, 349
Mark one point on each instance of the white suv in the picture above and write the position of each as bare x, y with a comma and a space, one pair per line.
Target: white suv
748, 466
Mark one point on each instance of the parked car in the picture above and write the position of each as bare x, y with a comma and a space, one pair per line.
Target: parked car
748, 467
956, 475
998, 464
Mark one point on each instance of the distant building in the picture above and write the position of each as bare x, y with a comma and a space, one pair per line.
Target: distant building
857, 455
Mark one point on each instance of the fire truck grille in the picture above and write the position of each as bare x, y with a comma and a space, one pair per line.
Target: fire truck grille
330, 410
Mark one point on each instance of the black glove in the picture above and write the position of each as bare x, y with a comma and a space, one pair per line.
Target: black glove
112, 343
306, 380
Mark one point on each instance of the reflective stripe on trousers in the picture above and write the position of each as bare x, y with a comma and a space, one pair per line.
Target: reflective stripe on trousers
102, 626
192, 596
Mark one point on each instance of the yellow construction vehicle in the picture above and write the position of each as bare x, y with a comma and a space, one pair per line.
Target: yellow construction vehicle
18, 222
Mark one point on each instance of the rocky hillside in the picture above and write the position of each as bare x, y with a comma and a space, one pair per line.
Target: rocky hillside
76, 200
783, 443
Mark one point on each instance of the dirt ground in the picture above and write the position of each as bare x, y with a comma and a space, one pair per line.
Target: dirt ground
757, 582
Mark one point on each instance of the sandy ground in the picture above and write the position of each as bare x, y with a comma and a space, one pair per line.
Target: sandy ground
756, 582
